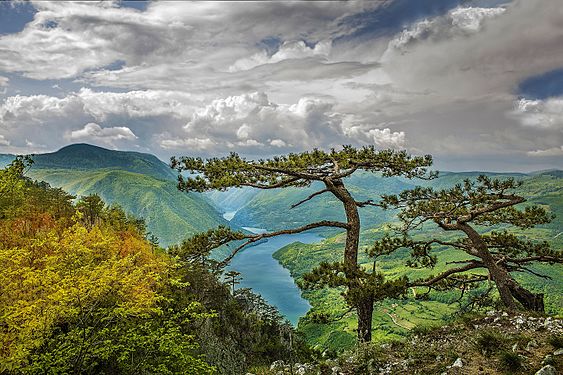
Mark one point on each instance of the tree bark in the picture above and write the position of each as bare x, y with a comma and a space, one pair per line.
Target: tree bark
365, 315
352, 219
508, 288
530, 301
364, 307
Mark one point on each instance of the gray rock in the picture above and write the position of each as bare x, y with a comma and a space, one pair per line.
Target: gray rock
277, 365
547, 370
531, 345
458, 363
558, 352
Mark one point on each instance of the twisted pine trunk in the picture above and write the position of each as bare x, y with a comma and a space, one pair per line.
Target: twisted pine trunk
364, 307
509, 289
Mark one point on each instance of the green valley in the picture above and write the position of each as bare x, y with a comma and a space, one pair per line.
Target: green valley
327, 323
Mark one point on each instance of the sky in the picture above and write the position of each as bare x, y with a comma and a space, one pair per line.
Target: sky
476, 83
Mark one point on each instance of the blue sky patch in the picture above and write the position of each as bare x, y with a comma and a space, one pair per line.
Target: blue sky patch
542, 86
140, 5
14, 16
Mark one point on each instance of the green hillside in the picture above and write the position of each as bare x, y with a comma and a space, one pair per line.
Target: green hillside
141, 183
87, 157
394, 319
271, 209
170, 214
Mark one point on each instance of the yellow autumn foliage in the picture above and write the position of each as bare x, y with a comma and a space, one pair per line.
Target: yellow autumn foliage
60, 275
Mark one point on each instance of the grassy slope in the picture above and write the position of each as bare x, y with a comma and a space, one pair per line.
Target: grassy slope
170, 214
394, 318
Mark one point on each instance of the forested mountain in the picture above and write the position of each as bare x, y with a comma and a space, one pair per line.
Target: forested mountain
140, 183
84, 292
83, 156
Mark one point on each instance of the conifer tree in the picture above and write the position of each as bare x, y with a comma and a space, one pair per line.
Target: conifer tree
483, 212
233, 278
300, 170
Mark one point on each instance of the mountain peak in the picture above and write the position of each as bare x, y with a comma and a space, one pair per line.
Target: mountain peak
84, 156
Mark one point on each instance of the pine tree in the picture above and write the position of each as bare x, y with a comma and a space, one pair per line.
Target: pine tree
233, 278
472, 209
300, 170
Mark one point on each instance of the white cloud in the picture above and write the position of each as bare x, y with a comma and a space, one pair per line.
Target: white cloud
278, 143
93, 131
384, 138
446, 83
457, 22
99, 105
190, 143
554, 151
288, 50
470, 53
253, 121
540, 114
472, 19
66, 39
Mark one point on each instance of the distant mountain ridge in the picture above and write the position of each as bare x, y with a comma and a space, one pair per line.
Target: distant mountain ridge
87, 157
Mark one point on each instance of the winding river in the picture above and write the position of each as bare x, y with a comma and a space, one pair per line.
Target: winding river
261, 272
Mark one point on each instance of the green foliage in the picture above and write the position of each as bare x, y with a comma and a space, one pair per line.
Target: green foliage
437, 306
246, 331
82, 291
297, 170
489, 341
169, 215
88, 157
510, 362
484, 203
198, 247
556, 341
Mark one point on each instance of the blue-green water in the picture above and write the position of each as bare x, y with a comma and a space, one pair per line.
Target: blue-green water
268, 278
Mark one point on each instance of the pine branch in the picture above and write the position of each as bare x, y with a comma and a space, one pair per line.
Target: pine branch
444, 275
309, 197
252, 238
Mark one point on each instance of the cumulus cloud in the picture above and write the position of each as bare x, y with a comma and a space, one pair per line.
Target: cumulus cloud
318, 73
471, 52
4, 82
384, 138
99, 105
252, 121
93, 131
542, 114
